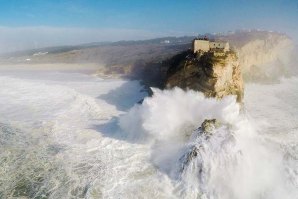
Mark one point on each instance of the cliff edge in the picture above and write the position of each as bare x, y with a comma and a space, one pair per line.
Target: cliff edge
216, 74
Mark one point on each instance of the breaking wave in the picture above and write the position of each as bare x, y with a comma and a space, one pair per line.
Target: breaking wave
76, 138
232, 162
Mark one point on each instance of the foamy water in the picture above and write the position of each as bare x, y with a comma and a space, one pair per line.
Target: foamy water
68, 135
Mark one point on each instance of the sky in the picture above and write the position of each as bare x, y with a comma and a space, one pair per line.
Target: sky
26, 24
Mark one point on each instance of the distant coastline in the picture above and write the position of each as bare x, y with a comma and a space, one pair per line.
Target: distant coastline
64, 67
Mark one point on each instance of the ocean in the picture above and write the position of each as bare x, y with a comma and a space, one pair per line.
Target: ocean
75, 135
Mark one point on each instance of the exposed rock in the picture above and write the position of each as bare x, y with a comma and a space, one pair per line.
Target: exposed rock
208, 126
188, 157
204, 132
216, 74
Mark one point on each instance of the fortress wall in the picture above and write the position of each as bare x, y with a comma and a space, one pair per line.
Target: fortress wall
201, 45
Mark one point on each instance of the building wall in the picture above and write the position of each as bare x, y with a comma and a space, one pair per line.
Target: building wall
221, 45
227, 47
201, 45
206, 45
217, 44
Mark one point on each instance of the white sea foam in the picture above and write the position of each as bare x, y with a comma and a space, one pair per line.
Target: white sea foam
235, 163
169, 113
60, 139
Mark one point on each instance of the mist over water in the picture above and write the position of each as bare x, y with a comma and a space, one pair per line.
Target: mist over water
236, 162
69, 135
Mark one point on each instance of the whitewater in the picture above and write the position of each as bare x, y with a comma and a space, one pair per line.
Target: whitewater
76, 135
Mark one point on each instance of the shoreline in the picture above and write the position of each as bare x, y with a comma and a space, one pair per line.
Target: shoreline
52, 67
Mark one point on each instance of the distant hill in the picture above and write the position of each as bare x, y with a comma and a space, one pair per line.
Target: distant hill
143, 59
165, 41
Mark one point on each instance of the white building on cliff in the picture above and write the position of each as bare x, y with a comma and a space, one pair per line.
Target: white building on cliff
205, 45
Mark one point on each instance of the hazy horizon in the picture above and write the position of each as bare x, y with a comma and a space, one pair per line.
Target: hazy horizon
167, 118
35, 24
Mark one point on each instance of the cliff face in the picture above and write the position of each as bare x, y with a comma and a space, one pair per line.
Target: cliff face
262, 55
215, 76
259, 55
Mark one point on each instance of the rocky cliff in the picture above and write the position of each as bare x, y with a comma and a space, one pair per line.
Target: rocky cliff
262, 54
214, 75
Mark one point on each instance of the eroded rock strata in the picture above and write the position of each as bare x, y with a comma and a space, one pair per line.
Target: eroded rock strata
216, 74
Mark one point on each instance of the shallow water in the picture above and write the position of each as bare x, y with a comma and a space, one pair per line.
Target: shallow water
71, 135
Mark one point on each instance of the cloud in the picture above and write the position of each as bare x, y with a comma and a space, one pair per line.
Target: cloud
21, 38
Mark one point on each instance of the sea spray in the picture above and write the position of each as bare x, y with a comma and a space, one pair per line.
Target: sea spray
169, 113
59, 135
234, 162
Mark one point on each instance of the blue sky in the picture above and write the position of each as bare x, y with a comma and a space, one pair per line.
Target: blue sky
54, 22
